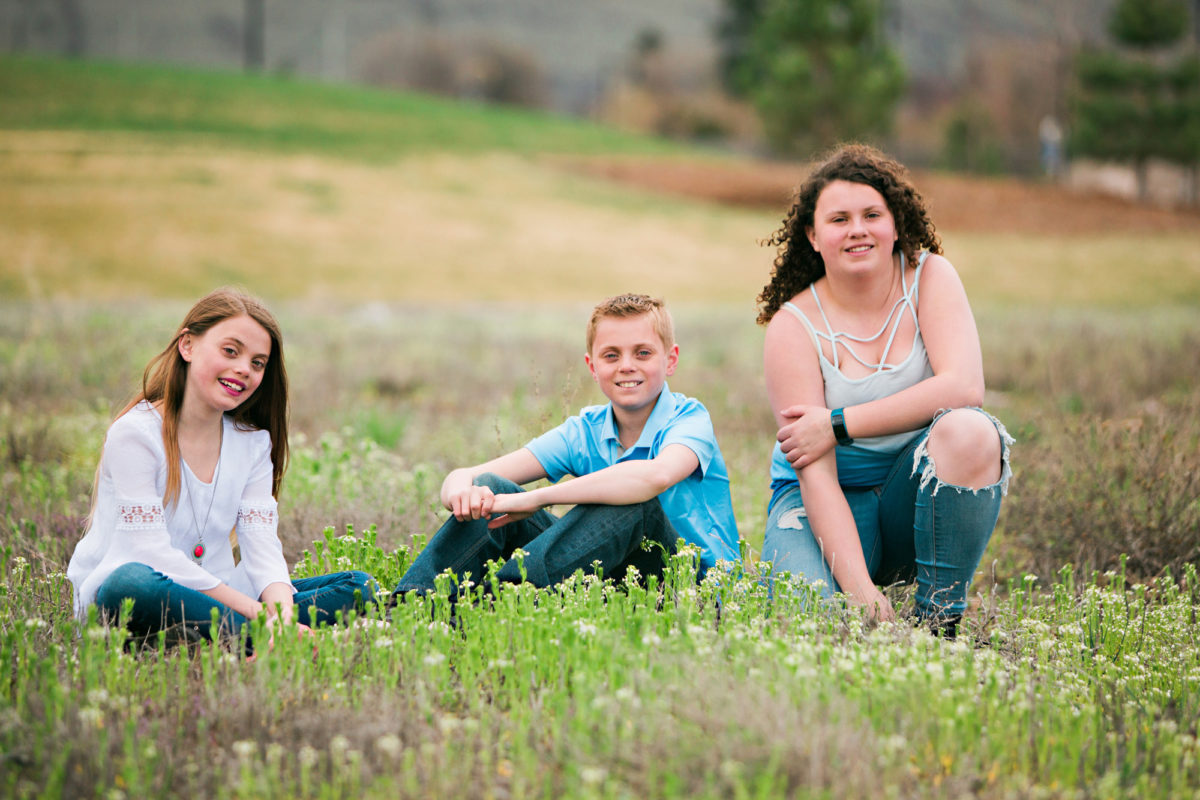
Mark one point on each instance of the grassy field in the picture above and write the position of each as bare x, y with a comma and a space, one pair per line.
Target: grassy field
432, 268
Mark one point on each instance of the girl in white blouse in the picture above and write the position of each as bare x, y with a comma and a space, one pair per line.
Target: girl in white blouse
183, 512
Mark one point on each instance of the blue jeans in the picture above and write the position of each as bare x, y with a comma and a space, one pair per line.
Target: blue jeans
160, 603
912, 526
554, 547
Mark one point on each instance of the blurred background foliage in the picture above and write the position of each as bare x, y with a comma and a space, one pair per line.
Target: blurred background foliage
1010, 86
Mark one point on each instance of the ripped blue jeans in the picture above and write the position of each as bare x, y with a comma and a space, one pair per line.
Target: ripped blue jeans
912, 526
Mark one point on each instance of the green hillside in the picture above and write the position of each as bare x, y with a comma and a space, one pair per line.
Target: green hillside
283, 114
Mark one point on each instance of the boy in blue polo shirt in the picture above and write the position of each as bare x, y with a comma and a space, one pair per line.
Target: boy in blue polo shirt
646, 468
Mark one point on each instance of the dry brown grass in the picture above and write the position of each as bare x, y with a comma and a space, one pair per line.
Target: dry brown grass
108, 216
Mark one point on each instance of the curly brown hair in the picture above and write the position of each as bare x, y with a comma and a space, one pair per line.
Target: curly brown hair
797, 265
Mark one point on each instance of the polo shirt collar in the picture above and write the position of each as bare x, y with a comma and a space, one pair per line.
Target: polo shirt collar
664, 408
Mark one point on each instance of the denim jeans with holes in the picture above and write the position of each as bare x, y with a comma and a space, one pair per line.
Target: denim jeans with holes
160, 603
555, 547
912, 526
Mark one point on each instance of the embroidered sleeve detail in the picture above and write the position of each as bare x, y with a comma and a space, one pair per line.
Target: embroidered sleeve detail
256, 517
141, 516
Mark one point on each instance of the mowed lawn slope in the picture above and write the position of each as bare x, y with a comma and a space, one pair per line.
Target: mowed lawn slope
120, 181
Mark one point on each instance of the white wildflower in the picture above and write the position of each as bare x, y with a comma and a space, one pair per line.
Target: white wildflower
339, 745
389, 744
245, 749
307, 756
91, 716
593, 775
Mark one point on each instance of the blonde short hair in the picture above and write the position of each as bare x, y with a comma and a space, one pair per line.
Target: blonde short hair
634, 305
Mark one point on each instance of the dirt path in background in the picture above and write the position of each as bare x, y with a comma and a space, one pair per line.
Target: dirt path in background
957, 203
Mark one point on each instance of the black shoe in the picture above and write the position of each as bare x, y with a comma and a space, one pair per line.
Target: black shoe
940, 626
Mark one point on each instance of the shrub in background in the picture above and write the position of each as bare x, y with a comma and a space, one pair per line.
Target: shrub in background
477, 67
1095, 490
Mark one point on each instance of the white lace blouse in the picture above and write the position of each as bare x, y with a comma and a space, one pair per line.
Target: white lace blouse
129, 523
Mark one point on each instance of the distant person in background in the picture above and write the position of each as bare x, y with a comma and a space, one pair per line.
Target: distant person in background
646, 470
885, 468
1050, 136
184, 517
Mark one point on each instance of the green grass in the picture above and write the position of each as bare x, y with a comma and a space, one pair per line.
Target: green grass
282, 114
1072, 685
1084, 690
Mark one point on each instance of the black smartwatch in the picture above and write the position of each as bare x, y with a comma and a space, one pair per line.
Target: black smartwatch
839, 426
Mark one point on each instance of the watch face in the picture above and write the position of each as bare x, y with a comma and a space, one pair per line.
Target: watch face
838, 419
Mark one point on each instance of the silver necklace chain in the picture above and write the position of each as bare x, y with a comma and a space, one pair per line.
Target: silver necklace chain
199, 551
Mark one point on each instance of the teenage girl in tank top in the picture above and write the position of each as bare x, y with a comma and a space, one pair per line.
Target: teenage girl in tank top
885, 469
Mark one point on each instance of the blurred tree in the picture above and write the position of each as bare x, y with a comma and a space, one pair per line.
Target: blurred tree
819, 72
1181, 121
74, 28
970, 142
253, 34
1143, 102
733, 38
1149, 23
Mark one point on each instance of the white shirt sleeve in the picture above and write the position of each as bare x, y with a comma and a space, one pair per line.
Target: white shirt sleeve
133, 462
258, 528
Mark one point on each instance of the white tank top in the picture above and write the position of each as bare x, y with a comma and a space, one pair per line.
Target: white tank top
887, 378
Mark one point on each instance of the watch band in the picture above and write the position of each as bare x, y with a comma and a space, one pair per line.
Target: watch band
838, 418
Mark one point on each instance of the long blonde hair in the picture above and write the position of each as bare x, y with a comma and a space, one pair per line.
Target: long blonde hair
165, 378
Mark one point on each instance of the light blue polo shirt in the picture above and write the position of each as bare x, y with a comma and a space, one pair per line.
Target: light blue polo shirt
699, 506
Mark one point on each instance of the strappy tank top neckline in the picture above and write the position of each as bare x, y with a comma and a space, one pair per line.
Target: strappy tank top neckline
907, 303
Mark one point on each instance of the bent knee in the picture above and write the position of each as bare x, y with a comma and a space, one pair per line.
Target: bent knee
965, 448
496, 483
127, 580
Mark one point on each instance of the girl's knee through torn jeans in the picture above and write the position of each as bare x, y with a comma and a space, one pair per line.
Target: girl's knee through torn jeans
912, 526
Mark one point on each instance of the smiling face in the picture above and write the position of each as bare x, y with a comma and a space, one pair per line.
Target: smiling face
226, 363
852, 227
630, 362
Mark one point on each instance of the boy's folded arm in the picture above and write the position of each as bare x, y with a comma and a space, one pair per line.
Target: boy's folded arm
624, 483
520, 466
